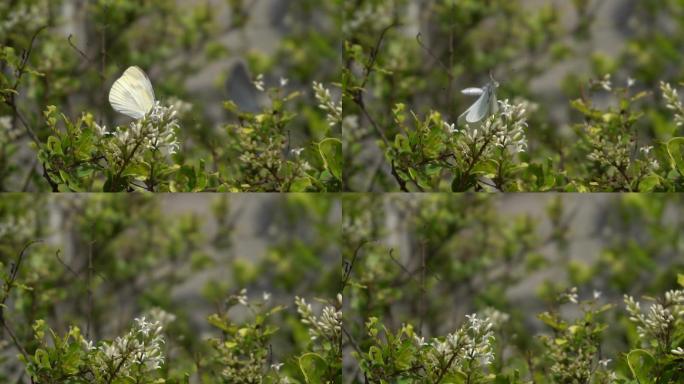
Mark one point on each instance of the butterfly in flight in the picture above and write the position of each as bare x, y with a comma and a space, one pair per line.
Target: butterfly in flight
485, 106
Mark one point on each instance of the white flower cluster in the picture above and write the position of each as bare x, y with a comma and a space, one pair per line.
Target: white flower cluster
259, 82
242, 297
162, 124
326, 103
651, 162
606, 83
570, 296
156, 131
660, 319
136, 353
673, 103
471, 343
327, 326
505, 129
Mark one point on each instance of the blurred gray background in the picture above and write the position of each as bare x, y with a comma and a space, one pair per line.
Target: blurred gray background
253, 232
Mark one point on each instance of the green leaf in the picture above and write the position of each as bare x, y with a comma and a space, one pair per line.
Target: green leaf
331, 152
54, 145
375, 355
649, 183
552, 322
219, 323
456, 377
641, 362
674, 149
42, 358
313, 368
680, 279
300, 184
462, 183
137, 170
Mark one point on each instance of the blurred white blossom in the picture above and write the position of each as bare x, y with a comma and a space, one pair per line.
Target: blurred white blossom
326, 103
659, 320
673, 103
259, 82
326, 326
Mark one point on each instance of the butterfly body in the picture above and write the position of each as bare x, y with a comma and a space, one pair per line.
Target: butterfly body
132, 93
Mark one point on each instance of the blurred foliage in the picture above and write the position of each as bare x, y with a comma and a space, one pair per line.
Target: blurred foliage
415, 265
60, 58
406, 62
76, 270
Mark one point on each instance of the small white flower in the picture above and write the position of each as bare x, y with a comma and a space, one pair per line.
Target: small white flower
679, 351
284, 81
326, 103
604, 363
420, 341
572, 295
296, 151
276, 367
266, 296
630, 82
242, 297
606, 83
88, 345
646, 149
259, 82
597, 295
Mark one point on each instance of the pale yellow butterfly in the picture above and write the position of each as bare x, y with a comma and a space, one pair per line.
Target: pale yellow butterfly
132, 93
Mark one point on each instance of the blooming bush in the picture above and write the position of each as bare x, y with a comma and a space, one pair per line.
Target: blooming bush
459, 356
58, 61
567, 123
434, 148
69, 302
447, 289
134, 357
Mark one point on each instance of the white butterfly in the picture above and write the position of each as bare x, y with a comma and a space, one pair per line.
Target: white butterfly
132, 93
484, 106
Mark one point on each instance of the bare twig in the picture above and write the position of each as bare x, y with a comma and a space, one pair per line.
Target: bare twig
19, 73
90, 290
7, 289
80, 52
348, 266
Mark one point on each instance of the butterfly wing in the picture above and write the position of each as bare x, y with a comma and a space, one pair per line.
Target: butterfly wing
473, 91
493, 103
241, 89
132, 93
480, 109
